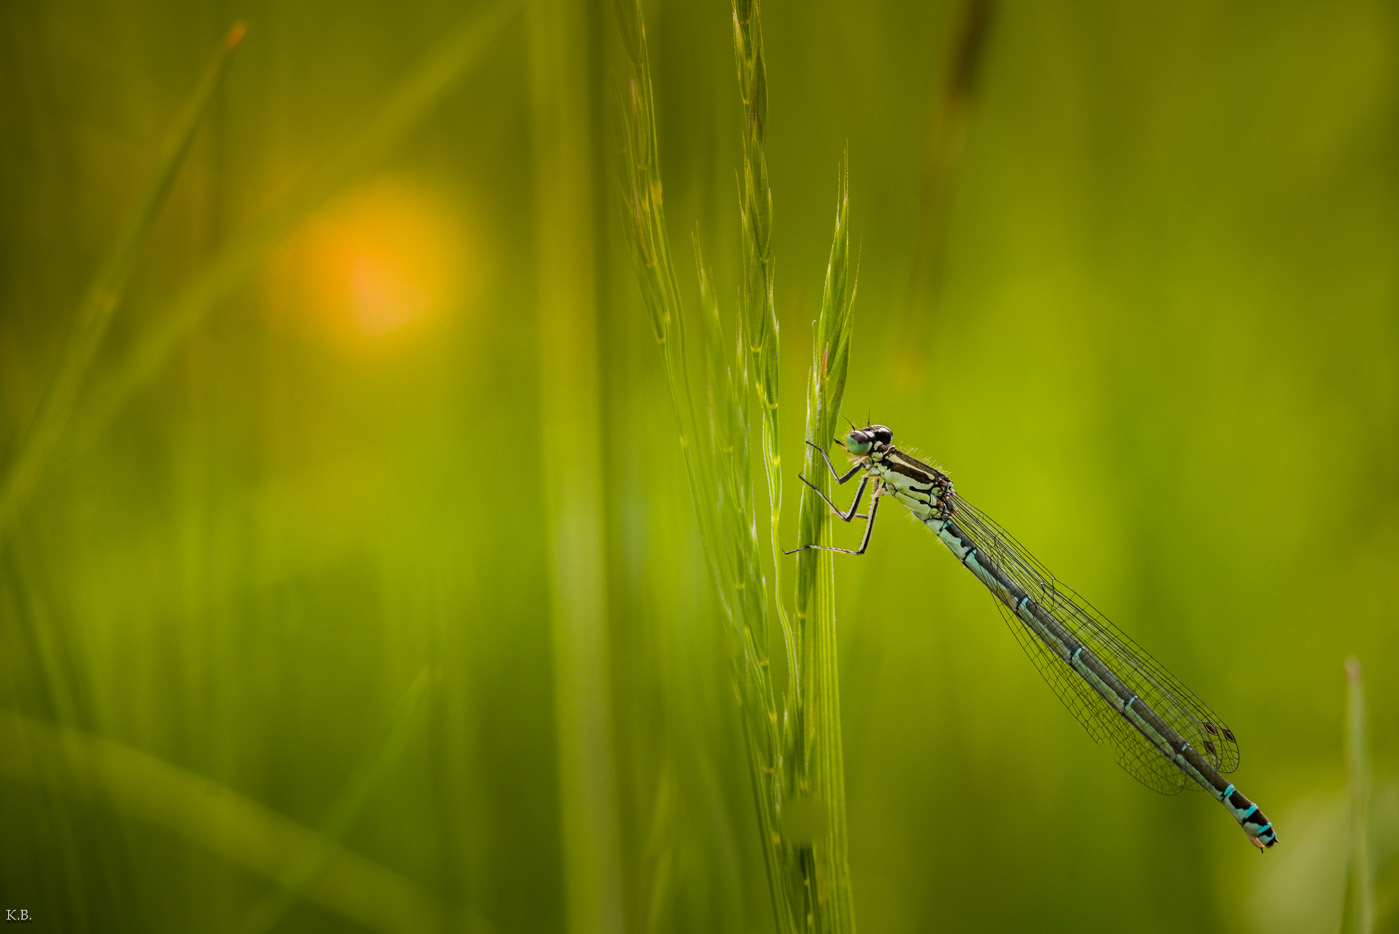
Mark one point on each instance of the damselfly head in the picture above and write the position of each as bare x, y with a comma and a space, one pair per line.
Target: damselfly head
861, 441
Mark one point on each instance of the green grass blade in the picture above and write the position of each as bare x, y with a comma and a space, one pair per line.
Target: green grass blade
716, 464
640, 174
759, 326
795, 759
1359, 911
815, 588
954, 102
105, 293
408, 716
570, 400
383, 127
102, 772
758, 310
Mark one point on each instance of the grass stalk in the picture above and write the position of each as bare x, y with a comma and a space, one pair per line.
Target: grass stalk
103, 772
716, 455
822, 773
757, 308
1358, 915
794, 758
407, 717
571, 431
104, 294
951, 108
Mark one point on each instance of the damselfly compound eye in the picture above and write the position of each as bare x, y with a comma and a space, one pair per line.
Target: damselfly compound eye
859, 442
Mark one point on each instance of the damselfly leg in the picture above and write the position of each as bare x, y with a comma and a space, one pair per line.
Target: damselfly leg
848, 515
839, 478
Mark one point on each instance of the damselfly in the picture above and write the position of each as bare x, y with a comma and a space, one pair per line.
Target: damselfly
1163, 735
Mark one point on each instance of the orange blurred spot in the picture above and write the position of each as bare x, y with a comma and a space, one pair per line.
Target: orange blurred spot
376, 263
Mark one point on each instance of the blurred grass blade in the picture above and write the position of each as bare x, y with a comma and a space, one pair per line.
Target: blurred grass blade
815, 587
949, 117
571, 427
383, 127
265, 914
102, 772
1359, 912
104, 295
660, 851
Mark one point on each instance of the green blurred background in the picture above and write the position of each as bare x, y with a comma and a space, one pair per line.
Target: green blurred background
278, 643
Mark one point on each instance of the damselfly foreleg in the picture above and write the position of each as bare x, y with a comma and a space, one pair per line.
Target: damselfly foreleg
839, 478
869, 527
844, 516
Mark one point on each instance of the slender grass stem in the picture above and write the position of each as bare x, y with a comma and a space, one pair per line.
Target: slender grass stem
716, 461
824, 779
408, 716
950, 116
757, 306
98, 770
570, 432
794, 758
105, 293
1359, 911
